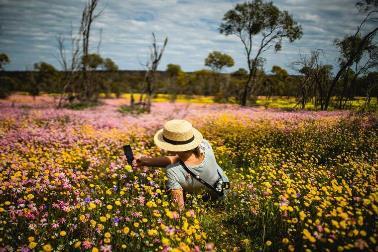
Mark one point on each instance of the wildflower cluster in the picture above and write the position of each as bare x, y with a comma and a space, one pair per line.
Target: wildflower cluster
300, 181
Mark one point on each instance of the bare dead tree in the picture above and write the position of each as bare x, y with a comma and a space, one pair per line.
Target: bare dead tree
315, 79
156, 53
87, 19
70, 66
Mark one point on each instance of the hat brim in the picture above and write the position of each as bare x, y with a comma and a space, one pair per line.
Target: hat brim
162, 144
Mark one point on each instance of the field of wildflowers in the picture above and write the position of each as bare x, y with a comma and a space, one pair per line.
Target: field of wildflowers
301, 181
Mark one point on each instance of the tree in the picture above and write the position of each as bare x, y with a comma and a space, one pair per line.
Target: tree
92, 61
44, 76
156, 53
111, 81
238, 79
316, 79
276, 83
176, 79
4, 60
109, 65
353, 47
371, 88
249, 19
88, 92
75, 83
173, 70
364, 60
217, 61
6, 83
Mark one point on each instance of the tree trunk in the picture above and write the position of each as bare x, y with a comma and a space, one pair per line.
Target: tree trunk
245, 94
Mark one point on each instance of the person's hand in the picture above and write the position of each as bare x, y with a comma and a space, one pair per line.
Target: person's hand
137, 162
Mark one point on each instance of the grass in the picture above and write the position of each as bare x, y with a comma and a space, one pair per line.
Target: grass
274, 102
81, 105
136, 110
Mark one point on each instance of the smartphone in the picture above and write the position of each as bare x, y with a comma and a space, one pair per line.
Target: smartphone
128, 153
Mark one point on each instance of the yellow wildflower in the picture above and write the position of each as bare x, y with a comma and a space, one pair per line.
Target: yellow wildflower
165, 241
152, 232
126, 230
47, 248
32, 245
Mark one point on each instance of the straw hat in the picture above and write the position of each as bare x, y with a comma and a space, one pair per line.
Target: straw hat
178, 135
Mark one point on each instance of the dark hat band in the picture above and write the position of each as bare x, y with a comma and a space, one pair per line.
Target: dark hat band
178, 142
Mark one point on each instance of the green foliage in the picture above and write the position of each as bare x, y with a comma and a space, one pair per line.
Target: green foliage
4, 59
44, 77
173, 70
249, 19
7, 86
133, 110
109, 65
81, 105
252, 18
92, 60
217, 61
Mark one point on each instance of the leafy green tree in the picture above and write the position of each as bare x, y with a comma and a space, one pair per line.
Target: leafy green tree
173, 70
7, 86
353, 47
252, 18
6, 83
4, 60
176, 80
43, 79
109, 65
111, 83
92, 61
217, 61
276, 83
201, 80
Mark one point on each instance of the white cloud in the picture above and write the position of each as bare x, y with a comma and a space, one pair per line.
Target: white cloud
191, 26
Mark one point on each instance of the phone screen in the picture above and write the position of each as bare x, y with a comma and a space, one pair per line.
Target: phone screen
128, 153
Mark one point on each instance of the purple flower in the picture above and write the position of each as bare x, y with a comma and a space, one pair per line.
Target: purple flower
25, 249
136, 214
106, 248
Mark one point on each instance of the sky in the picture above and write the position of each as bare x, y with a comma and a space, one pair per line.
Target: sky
28, 31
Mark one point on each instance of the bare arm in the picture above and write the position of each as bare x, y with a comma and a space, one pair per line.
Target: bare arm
178, 197
157, 161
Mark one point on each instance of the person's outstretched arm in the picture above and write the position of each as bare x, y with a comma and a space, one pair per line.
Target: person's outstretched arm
155, 161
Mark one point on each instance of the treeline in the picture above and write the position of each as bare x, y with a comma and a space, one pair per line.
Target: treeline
224, 87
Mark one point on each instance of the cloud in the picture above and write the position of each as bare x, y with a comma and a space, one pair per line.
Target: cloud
29, 29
